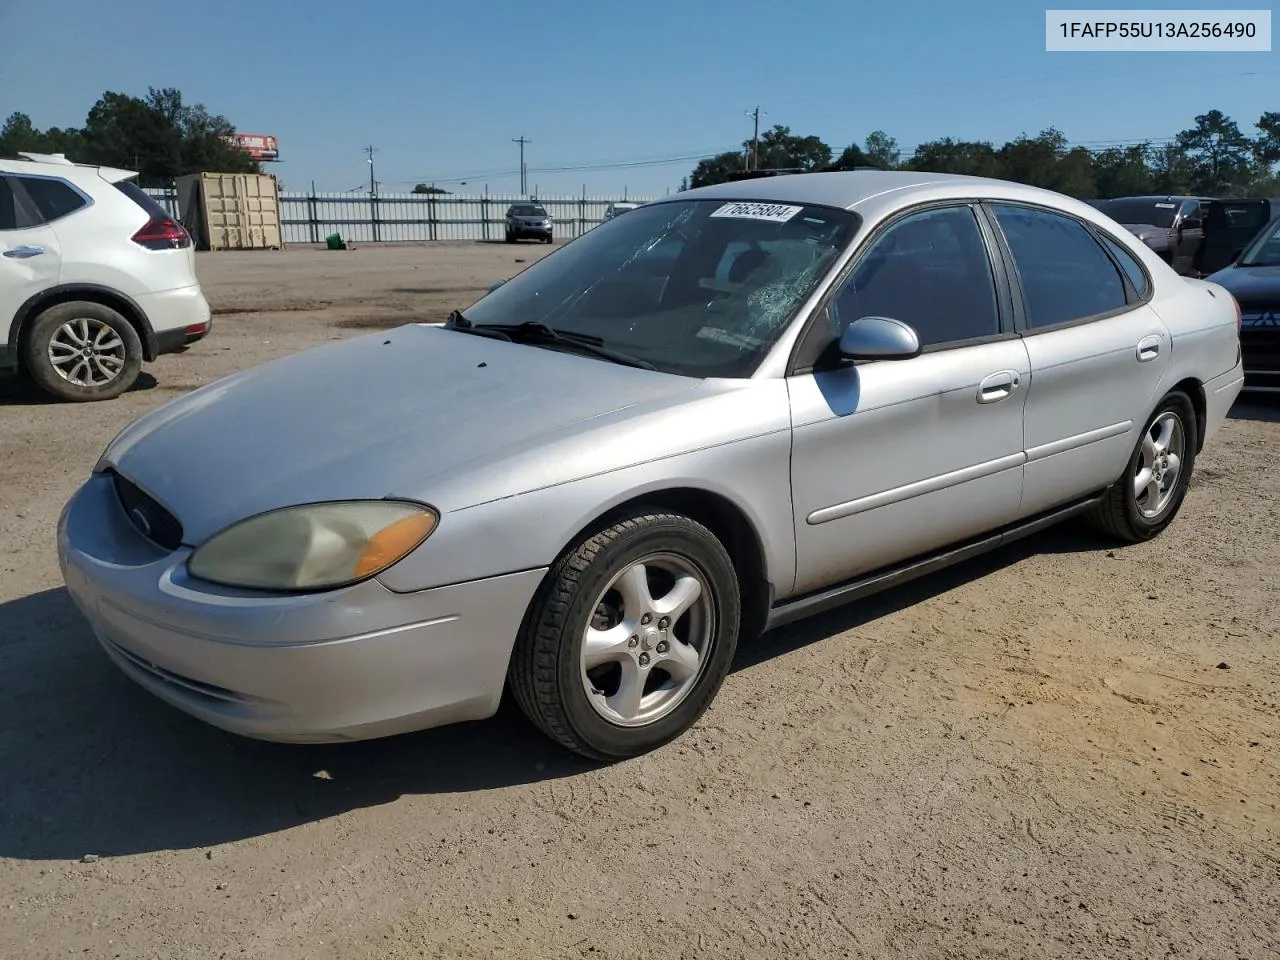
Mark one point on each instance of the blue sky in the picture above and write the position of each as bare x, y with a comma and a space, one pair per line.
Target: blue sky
440, 89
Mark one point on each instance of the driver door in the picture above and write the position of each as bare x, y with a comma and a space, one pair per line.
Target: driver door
896, 458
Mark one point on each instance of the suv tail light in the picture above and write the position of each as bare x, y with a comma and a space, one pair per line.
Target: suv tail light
162, 233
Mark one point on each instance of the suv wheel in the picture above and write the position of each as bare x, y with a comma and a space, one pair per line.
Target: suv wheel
82, 351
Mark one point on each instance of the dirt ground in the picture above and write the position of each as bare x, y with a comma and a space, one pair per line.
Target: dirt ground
1061, 750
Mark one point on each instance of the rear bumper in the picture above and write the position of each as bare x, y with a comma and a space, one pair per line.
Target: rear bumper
1219, 394
178, 317
171, 341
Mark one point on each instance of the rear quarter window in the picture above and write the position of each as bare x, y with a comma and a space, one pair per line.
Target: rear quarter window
1133, 270
143, 199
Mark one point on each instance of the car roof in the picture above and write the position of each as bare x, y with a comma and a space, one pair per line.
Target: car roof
57, 165
1159, 198
864, 189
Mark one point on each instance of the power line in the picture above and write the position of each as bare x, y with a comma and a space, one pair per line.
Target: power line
575, 167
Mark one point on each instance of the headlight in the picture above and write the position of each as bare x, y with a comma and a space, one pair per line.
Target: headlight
315, 546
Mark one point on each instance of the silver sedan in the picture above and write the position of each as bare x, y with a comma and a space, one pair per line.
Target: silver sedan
726, 410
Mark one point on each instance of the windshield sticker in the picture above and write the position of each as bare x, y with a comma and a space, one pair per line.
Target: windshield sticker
773, 212
1166, 206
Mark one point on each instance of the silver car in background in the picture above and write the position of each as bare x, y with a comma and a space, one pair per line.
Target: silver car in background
728, 409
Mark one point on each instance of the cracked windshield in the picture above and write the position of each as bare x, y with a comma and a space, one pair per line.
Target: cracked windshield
696, 287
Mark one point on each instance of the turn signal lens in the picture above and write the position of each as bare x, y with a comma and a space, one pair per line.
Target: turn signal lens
391, 543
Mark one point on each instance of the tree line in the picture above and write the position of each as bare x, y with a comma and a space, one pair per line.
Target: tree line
1214, 157
158, 135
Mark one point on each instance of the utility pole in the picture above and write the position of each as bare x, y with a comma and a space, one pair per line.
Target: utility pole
372, 186
755, 140
522, 141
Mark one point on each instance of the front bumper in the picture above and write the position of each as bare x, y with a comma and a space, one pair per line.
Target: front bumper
1261, 348
349, 664
522, 231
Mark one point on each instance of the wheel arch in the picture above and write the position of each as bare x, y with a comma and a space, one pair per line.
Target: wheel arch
1194, 390
123, 304
726, 521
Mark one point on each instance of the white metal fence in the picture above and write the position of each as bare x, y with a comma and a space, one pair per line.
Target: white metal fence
409, 217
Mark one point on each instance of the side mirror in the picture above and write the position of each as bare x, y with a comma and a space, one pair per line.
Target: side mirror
495, 286
879, 338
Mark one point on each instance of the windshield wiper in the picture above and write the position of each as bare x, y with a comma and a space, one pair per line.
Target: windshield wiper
457, 321
537, 333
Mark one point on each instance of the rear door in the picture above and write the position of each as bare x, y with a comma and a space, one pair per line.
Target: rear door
1098, 351
30, 255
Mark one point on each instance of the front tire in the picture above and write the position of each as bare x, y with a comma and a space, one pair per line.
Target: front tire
1149, 494
82, 351
630, 637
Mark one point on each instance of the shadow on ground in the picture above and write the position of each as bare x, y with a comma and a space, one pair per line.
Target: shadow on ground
95, 765
18, 391
1261, 407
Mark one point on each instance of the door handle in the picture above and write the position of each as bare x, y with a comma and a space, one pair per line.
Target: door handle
1148, 348
22, 253
997, 386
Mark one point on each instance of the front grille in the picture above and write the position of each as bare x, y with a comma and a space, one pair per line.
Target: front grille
151, 519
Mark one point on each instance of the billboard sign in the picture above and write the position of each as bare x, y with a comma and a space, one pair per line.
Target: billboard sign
260, 146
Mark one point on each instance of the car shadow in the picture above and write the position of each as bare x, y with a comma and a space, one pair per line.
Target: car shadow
1261, 407
18, 391
522, 242
97, 766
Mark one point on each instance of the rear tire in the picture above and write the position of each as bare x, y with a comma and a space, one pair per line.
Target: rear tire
630, 637
1149, 494
82, 351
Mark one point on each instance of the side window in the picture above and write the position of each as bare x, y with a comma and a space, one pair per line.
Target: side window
1129, 265
53, 199
16, 211
1065, 274
929, 270
8, 213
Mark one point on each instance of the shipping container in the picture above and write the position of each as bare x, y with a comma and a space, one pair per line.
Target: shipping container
231, 211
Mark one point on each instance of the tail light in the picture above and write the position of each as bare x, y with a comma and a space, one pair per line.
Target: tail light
162, 233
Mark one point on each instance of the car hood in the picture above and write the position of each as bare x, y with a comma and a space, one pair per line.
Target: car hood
370, 417
1250, 284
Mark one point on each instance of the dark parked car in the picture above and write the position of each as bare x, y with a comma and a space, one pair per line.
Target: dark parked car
1171, 226
1229, 225
1254, 280
528, 220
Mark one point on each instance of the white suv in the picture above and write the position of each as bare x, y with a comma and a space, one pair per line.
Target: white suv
95, 277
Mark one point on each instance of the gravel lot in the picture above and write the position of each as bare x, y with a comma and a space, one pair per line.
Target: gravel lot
1061, 750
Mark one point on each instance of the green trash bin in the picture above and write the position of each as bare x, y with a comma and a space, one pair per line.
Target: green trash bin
334, 242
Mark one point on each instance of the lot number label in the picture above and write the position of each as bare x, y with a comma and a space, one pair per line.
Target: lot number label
773, 212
